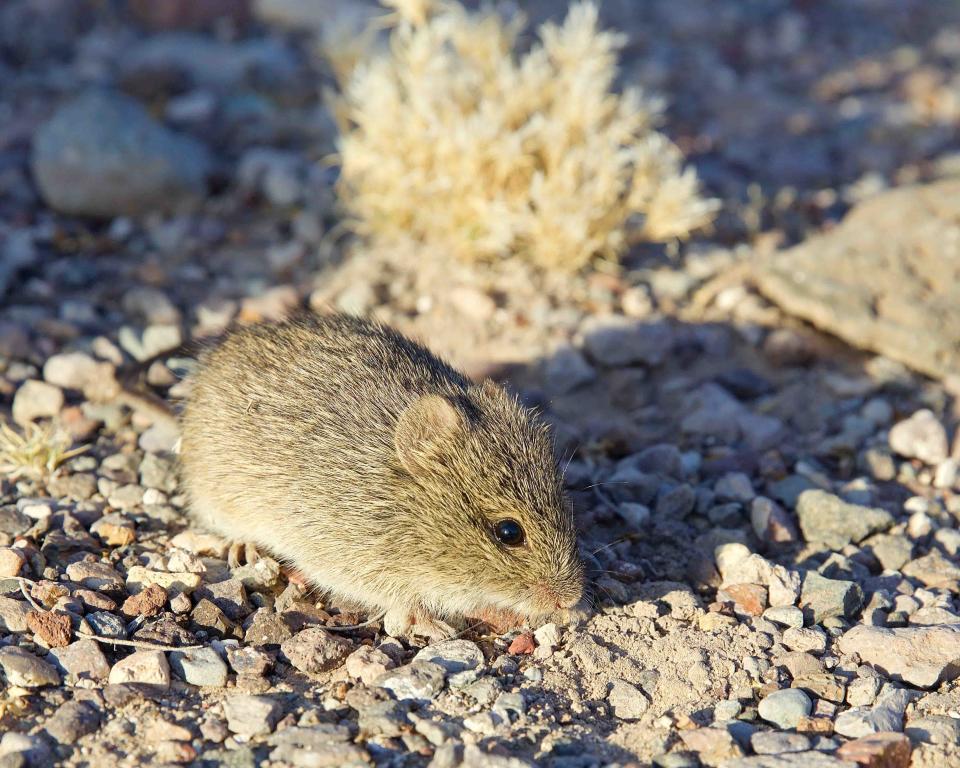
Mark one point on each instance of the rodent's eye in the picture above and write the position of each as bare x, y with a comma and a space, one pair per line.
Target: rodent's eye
509, 532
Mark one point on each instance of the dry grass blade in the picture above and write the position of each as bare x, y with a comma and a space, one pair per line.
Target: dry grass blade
35, 453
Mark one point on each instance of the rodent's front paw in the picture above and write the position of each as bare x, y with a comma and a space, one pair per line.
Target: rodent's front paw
402, 622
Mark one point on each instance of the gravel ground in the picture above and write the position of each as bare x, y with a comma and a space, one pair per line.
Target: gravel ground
770, 517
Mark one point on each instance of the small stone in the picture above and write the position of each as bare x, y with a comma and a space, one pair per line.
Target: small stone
368, 664
199, 666
96, 576
11, 561
862, 691
812, 639
770, 522
935, 729
230, 596
880, 750
315, 650
417, 681
748, 598
106, 624
250, 661
81, 660
522, 644
148, 603
774, 743
321, 746
266, 628
86, 163
921, 436
54, 629
139, 578
116, 530
784, 708
826, 598
75, 370
36, 400
142, 667
71, 721
26, 670
827, 519
548, 638
892, 550
734, 486
13, 615
822, 686
919, 656
461, 659
784, 615
934, 570
251, 715
627, 701
618, 341
714, 746
886, 714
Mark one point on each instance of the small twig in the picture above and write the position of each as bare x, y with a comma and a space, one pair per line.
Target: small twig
347, 628
138, 643
23, 590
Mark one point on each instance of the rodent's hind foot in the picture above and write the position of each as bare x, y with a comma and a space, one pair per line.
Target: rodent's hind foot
402, 622
242, 553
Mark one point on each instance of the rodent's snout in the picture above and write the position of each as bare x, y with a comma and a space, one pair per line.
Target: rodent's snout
555, 598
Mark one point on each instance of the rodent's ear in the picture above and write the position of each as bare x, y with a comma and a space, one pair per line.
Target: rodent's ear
425, 428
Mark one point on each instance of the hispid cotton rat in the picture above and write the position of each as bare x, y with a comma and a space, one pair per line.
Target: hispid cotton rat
381, 473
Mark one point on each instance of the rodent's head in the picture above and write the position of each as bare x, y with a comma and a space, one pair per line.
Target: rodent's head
497, 531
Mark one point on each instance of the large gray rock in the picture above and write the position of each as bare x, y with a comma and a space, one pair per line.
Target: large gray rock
103, 155
886, 279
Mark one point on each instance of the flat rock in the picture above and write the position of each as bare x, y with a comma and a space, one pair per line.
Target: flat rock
315, 650
13, 615
784, 708
102, 154
81, 660
142, 667
251, 715
417, 681
199, 666
461, 659
829, 520
627, 701
71, 721
825, 598
920, 656
879, 750
921, 436
25, 669
864, 279
139, 578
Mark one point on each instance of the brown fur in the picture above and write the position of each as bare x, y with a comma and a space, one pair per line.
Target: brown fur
358, 457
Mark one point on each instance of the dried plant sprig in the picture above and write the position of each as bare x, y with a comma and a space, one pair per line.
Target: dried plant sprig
453, 141
36, 452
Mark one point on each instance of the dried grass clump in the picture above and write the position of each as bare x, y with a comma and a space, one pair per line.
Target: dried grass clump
36, 453
453, 140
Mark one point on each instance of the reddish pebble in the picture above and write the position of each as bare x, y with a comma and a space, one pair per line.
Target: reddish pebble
522, 644
879, 750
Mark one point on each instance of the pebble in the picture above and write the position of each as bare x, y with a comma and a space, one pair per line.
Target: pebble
36, 400
771, 522
862, 691
462, 660
812, 639
713, 746
11, 561
139, 578
918, 656
81, 660
319, 746
522, 644
885, 715
880, 750
116, 530
96, 576
148, 603
368, 664
24, 669
249, 715
102, 154
200, 666
417, 681
825, 598
934, 729
773, 743
784, 708
13, 614
52, 628
142, 667
76, 370
71, 721
619, 341
934, 570
315, 650
828, 520
627, 701
784, 615
921, 436
230, 596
